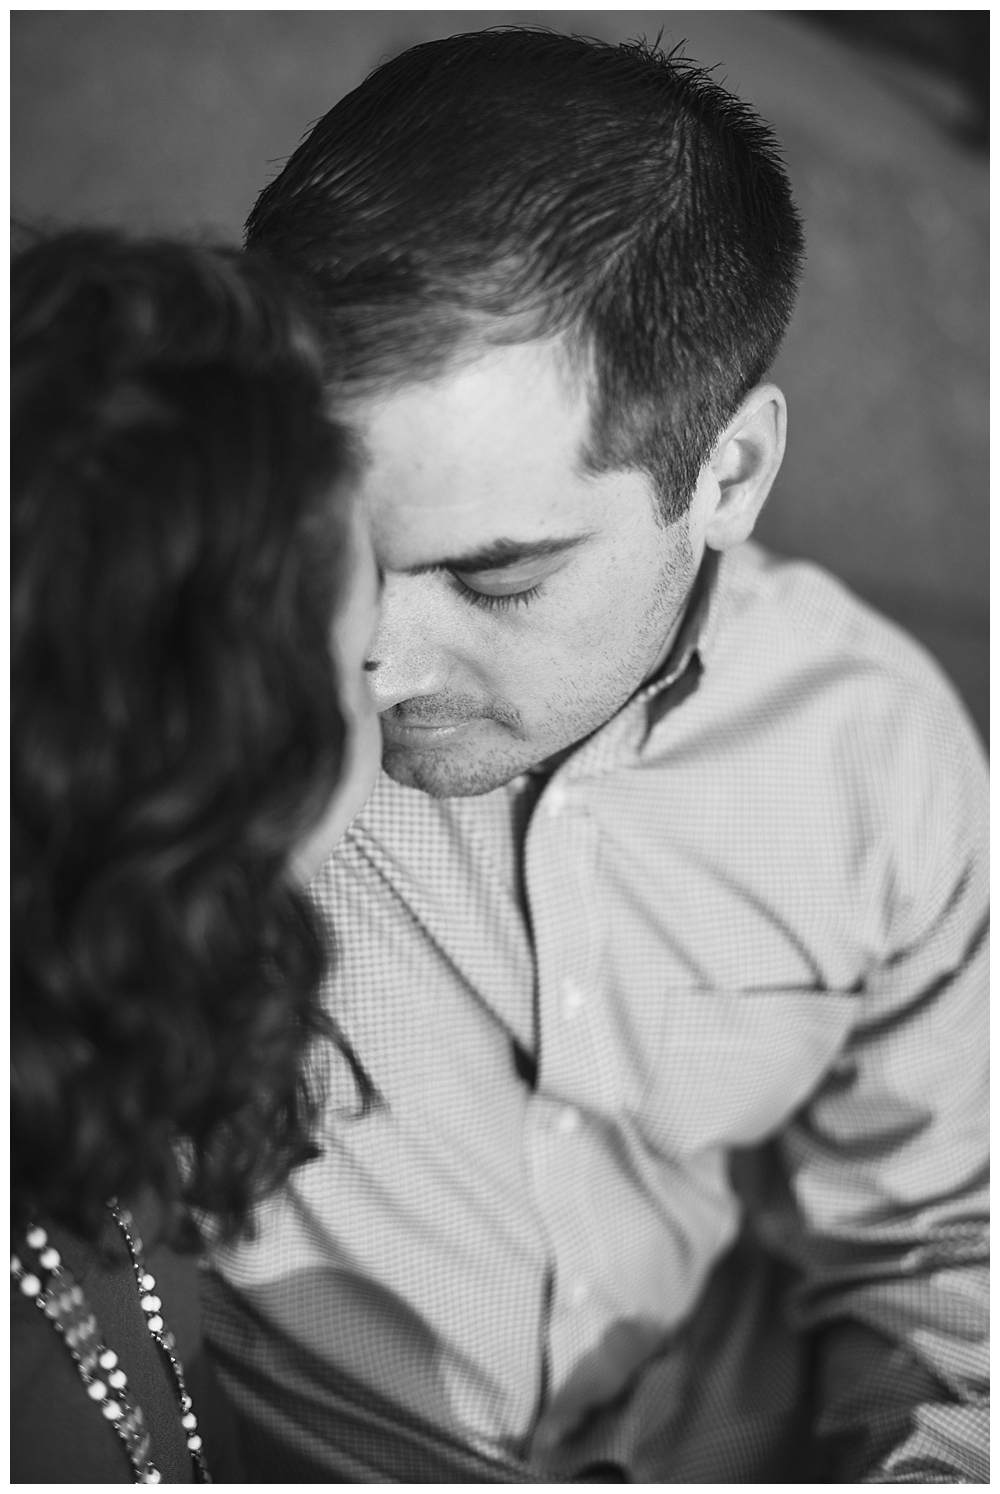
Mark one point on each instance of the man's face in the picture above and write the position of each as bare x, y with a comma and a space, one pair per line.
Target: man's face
525, 599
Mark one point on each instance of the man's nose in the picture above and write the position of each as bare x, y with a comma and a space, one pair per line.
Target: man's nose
404, 660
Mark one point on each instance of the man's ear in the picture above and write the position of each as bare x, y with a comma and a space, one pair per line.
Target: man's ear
744, 464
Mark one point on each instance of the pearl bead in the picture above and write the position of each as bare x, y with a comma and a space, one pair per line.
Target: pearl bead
117, 1379
151, 1304
189, 1422
111, 1410
50, 1259
37, 1238
148, 1282
194, 1443
152, 1477
109, 1359
15, 1265
155, 1323
30, 1285
97, 1390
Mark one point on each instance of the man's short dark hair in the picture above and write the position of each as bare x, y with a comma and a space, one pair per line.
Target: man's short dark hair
514, 184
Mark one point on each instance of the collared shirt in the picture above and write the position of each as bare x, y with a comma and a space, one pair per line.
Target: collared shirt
750, 910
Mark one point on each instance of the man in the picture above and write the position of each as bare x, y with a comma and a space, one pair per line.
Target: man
663, 934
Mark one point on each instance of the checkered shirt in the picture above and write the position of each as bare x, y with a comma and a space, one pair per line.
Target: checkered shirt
721, 978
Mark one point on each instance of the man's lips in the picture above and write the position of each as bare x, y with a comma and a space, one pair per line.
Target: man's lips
419, 733
426, 723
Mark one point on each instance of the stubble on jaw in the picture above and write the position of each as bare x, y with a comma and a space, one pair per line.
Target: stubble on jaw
436, 776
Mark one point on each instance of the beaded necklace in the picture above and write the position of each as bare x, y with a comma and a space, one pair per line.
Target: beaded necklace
62, 1301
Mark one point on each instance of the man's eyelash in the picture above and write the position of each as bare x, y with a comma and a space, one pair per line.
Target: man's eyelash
496, 603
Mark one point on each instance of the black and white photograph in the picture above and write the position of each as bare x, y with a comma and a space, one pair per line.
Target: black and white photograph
499, 729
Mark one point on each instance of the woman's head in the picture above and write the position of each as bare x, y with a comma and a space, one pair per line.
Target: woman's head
185, 573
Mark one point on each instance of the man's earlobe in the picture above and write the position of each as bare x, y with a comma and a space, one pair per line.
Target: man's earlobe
744, 464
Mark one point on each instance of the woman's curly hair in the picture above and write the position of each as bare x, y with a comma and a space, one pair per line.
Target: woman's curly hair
179, 545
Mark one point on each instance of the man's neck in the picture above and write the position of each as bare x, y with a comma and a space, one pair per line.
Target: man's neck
682, 631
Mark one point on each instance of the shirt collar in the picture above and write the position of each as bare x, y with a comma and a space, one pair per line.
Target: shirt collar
695, 634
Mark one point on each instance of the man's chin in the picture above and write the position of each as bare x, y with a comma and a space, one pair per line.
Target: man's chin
444, 775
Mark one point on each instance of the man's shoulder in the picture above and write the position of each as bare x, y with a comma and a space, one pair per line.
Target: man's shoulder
809, 689
806, 601
807, 615
793, 646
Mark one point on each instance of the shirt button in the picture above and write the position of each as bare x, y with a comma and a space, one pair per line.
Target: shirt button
578, 1292
567, 1120
556, 798
572, 998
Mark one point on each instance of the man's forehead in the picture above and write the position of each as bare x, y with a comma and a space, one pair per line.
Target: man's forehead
490, 454
513, 403
418, 528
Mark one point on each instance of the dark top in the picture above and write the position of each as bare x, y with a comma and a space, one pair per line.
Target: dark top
57, 1433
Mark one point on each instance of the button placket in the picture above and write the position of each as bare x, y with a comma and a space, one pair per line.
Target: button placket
577, 1057
558, 870
558, 1148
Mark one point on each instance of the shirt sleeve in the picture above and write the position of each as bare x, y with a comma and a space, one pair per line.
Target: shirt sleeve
882, 1199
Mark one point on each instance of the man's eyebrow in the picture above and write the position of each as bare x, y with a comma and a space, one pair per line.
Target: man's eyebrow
500, 553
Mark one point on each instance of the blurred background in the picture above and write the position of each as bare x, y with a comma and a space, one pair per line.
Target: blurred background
174, 120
